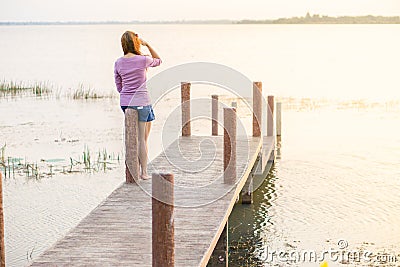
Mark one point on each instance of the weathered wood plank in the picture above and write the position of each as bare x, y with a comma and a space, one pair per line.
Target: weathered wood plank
118, 231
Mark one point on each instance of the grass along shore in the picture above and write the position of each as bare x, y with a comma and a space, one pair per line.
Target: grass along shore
19, 88
39, 89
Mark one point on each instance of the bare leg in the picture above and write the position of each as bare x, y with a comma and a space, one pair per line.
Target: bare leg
142, 150
146, 137
148, 127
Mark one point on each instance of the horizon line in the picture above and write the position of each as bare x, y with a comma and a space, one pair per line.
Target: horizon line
182, 21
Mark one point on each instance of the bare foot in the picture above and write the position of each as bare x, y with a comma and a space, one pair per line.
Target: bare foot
145, 176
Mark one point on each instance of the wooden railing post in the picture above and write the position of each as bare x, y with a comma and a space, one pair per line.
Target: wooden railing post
278, 119
163, 240
214, 114
185, 103
229, 145
2, 247
257, 108
270, 112
131, 145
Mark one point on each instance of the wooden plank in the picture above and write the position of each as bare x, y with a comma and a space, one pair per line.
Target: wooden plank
118, 231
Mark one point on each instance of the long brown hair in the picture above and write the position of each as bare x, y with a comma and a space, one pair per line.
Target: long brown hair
130, 43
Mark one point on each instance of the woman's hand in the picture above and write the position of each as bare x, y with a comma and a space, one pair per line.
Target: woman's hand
152, 52
143, 42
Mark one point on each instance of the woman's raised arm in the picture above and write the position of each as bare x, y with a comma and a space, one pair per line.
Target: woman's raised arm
152, 51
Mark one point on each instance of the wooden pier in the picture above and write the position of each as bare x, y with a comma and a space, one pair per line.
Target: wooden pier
123, 230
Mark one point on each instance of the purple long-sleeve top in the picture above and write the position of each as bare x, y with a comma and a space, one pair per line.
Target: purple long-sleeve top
130, 79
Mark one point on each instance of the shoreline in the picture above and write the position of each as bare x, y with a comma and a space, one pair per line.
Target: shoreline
308, 19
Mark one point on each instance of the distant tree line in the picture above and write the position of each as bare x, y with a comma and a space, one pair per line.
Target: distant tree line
308, 19
318, 19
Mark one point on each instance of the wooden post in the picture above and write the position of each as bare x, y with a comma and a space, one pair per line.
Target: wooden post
214, 114
278, 147
2, 248
247, 191
163, 243
219, 257
229, 145
257, 108
270, 114
185, 102
248, 188
278, 119
131, 145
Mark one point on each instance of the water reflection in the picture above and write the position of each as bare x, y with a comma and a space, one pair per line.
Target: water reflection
248, 224
337, 178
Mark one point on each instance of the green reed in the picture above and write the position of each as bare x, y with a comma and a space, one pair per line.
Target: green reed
21, 88
86, 157
14, 88
90, 162
83, 92
2, 151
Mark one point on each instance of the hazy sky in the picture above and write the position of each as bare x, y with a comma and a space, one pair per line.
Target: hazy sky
149, 10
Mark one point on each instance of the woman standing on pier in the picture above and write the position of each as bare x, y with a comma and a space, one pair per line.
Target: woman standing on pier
130, 79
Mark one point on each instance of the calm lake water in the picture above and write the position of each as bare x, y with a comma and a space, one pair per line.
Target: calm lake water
338, 173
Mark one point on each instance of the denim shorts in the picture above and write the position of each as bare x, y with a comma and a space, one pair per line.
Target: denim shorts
145, 113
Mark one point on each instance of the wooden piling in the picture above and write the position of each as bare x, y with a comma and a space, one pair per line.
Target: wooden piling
2, 247
163, 229
131, 145
247, 191
278, 119
270, 114
128, 176
278, 146
229, 145
185, 104
214, 115
248, 188
257, 108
